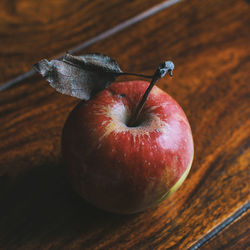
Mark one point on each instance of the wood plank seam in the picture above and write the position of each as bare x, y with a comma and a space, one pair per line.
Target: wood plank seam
123, 25
221, 226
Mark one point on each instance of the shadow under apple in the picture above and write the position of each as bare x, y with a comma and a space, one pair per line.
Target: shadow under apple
40, 206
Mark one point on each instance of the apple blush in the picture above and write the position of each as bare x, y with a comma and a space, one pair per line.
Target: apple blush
129, 146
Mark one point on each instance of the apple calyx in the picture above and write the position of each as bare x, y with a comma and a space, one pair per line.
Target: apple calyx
162, 70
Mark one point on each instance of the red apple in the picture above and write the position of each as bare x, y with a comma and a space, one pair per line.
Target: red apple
126, 169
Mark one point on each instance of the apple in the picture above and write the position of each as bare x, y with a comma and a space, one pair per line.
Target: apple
127, 145
126, 168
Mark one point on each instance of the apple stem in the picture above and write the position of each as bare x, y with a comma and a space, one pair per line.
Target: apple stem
134, 74
165, 67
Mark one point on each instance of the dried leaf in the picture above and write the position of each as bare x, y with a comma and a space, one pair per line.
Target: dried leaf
79, 76
94, 62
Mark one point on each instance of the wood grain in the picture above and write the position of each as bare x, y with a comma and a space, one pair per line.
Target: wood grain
236, 236
228, 234
209, 44
31, 30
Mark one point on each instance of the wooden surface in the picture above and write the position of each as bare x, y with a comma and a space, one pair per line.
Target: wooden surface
234, 237
209, 44
31, 30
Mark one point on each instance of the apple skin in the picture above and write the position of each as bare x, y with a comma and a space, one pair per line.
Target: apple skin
125, 169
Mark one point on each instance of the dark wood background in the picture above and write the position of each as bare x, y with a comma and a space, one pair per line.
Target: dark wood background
209, 44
